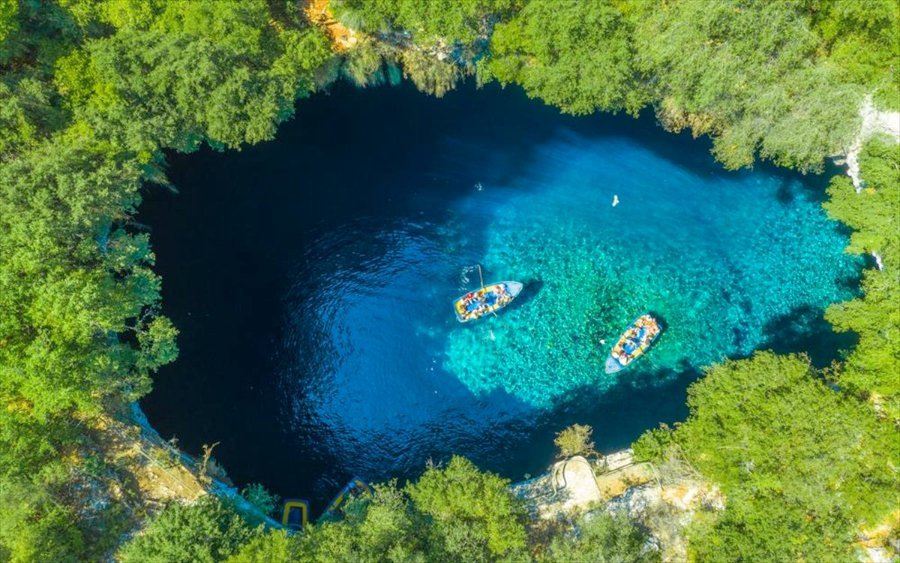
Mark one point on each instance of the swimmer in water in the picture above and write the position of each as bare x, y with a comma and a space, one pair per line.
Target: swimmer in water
615, 200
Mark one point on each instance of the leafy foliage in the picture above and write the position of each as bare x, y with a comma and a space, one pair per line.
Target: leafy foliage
797, 484
198, 71
574, 55
874, 214
748, 75
463, 21
59, 347
260, 497
9, 10
437, 41
33, 527
455, 513
208, 531
473, 512
575, 440
271, 547
384, 527
91, 92
861, 38
604, 538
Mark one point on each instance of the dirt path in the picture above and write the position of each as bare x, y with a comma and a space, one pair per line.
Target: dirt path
319, 13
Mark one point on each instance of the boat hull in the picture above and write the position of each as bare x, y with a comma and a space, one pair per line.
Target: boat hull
613, 365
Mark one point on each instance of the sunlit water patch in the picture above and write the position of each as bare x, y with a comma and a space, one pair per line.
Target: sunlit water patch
312, 280
720, 258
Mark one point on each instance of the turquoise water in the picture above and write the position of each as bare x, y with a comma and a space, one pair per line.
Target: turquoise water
719, 257
312, 279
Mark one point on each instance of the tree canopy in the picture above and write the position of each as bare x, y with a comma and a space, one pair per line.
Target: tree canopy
874, 214
92, 92
802, 466
206, 532
578, 56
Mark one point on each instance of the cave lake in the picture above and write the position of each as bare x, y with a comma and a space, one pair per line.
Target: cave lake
312, 278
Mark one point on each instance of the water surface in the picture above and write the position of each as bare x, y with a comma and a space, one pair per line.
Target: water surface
312, 279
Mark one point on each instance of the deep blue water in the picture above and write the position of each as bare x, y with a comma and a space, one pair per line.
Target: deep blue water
312, 279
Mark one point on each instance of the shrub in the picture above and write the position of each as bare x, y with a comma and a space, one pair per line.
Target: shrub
208, 531
575, 440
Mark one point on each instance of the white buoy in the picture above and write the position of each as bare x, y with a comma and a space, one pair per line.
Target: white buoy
615, 200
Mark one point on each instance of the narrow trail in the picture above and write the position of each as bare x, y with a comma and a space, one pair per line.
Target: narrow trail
319, 13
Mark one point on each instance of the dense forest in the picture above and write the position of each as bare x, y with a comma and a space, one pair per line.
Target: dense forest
92, 92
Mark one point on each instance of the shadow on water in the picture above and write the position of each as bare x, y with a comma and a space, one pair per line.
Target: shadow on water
805, 329
640, 400
529, 292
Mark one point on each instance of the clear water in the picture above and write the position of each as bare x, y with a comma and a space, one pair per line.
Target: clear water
313, 278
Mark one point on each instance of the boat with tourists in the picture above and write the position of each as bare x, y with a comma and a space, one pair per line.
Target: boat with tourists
634, 342
489, 299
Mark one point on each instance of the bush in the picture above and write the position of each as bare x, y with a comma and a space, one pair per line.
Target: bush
208, 531
575, 440
604, 538
260, 497
276, 546
474, 514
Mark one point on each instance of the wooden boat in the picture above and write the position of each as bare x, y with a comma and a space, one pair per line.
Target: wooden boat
634, 342
354, 488
489, 299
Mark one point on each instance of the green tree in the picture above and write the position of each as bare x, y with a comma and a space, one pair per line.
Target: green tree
871, 368
382, 527
575, 55
463, 21
33, 527
603, 538
749, 75
275, 546
798, 485
860, 37
257, 495
208, 531
575, 440
475, 517
153, 89
437, 41
9, 23
28, 112
60, 345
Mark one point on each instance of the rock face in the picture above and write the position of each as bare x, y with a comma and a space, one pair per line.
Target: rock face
873, 123
576, 485
574, 478
666, 511
663, 500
